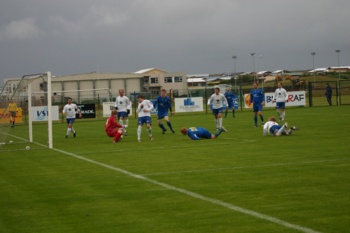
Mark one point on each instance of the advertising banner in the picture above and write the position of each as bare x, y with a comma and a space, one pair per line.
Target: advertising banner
295, 98
41, 113
189, 104
5, 116
107, 107
87, 110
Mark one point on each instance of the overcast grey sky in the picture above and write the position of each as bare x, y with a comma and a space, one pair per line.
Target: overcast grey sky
192, 36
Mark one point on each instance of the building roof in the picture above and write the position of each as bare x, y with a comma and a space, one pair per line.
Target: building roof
196, 80
263, 72
144, 71
319, 70
339, 67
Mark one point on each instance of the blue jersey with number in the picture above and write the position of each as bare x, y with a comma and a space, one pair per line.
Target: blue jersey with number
163, 104
196, 133
257, 96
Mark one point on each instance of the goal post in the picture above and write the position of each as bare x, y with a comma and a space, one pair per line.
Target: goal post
13, 99
49, 106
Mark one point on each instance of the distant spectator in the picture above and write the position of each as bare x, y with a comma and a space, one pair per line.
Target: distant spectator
328, 94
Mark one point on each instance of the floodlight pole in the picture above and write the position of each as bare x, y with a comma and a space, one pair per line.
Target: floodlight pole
313, 64
253, 55
338, 51
234, 68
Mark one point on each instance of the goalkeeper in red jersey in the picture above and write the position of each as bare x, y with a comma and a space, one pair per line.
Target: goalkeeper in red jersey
113, 129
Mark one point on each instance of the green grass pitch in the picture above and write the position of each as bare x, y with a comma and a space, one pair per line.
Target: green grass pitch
240, 182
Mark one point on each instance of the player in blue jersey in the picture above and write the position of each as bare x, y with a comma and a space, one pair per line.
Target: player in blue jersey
257, 97
163, 103
196, 133
230, 96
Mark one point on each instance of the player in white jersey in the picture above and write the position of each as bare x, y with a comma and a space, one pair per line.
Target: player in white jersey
70, 110
216, 100
272, 128
121, 103
144, 110
280, 97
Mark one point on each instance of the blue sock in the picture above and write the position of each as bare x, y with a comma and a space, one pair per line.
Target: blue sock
217, 133
256, 120
262, 118
169, 124
162, 127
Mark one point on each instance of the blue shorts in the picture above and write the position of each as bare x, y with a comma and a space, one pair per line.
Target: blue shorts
144, 120
280, 105
274, 128
217, 111
230, 105
206, 134
257, 107
161, 115
122, 115
70, 120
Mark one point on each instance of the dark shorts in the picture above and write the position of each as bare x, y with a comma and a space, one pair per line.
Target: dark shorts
280, 105
161, 115
273, 129
206, 134
70, 120
13, 113
122, 115
257, 107
144, 120
217, 111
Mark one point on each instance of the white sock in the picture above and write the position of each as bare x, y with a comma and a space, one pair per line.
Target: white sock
283, 114
150, 131
68, 131
139, 129
73, 130
121, 122
220, 122
217, 123
281, 130
126, 123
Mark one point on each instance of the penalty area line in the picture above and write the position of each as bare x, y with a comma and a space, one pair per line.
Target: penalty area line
189, 193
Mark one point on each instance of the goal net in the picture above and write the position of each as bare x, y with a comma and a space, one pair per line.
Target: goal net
13, 105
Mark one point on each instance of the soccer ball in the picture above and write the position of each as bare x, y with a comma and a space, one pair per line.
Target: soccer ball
11, 141
27, 147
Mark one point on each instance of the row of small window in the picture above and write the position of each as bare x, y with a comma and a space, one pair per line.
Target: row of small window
177, 79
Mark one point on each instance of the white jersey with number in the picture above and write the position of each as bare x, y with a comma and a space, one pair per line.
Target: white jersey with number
122, 103
70, 110
144, 105
280, 95
217, 101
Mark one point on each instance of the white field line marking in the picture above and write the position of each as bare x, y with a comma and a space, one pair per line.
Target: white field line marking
244, 167
191, 194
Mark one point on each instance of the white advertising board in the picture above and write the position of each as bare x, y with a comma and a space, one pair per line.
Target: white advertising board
295, 98
107, 107
194, 104
41, 113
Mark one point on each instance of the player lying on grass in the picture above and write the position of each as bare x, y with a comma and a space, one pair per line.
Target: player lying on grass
274, 129
196, 133
113, 129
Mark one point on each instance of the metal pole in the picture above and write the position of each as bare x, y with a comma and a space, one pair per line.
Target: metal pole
234, 68
313, 63
338, 52
253, 55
